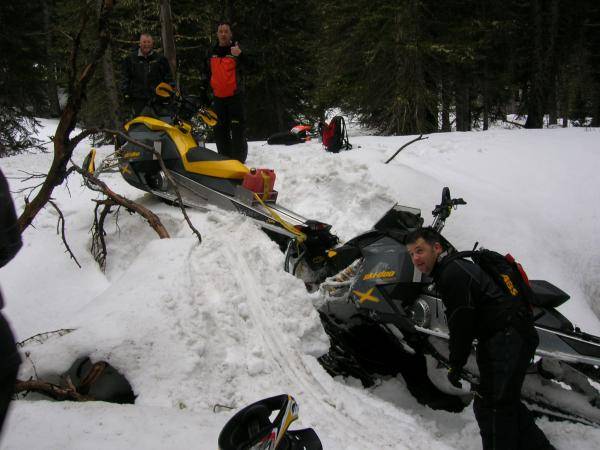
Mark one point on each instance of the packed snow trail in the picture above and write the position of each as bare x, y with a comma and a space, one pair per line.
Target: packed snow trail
317, 394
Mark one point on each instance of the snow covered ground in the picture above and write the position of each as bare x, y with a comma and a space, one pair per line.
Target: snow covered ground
195, 327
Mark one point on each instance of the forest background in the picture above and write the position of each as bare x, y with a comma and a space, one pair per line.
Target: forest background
397, 66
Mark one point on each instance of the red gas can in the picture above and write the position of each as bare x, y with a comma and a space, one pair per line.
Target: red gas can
259, 180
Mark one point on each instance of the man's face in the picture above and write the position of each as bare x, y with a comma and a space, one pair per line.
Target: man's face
424, 255
146, 44
224, 35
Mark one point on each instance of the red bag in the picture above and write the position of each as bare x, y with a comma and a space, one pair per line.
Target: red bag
334, 135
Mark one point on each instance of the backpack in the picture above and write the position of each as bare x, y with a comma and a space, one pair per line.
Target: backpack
335, 135
100, 381
507, 273
298, 134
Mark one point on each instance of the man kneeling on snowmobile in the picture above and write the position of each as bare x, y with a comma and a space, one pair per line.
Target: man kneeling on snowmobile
476, 307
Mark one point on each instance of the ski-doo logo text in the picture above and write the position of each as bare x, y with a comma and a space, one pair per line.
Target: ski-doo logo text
509, 284
384, 274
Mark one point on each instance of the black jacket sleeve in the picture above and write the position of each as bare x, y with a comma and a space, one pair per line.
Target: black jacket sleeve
459, 291
10, 236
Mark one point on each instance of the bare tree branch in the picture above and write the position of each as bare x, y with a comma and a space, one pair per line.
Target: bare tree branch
41, 337
510, 122
166, 171
130, 205
98, 242
51, 390
63, 148
80, 137
61, 224
420, 138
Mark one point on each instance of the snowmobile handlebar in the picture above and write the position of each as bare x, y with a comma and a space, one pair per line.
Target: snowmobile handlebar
185, 106
443, 210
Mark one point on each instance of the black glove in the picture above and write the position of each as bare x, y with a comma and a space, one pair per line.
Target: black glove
454, 377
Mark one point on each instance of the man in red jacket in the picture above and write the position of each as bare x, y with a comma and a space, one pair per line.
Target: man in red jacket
223, 65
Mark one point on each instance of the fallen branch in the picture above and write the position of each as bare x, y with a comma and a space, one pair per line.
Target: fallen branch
130, 205
166, 171
520, 125
218, 406
61, 224
98, 242
51, 390
420, 138
41, 337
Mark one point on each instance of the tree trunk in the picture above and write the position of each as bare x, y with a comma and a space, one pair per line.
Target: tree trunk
485, 99
552, 63
52, 92
445, 100
230, 12
463, 113
534, 89
596, 106
111, 87
552, 103
168, 38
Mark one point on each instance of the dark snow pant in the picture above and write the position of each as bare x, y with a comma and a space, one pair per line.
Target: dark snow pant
9, 366
230, 134
504, 422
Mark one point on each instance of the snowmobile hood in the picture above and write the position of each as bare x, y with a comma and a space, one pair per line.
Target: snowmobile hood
184, 142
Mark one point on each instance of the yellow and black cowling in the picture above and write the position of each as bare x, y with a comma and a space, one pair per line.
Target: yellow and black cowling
180, 153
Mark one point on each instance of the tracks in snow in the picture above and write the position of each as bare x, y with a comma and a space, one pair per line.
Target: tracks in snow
363, 431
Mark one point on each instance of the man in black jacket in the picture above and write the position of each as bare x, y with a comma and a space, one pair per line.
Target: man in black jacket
143, 70
10, 243
477, 308
223, 74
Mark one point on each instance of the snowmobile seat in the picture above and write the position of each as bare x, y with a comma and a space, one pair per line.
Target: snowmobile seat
202, 161
547, 295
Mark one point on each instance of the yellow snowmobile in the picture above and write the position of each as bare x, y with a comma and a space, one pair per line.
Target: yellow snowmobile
202, 176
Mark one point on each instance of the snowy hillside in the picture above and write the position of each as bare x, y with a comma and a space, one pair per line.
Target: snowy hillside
199, 329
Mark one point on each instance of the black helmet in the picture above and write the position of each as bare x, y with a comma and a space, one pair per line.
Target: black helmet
252, 429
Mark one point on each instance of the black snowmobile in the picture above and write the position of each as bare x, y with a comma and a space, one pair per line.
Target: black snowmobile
202, 176
384, 318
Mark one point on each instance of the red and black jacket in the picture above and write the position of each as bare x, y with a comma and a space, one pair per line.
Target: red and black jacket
224, 72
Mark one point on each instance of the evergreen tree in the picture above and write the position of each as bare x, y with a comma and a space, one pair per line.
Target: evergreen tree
21, 75
281, 72
591, 31
375, 64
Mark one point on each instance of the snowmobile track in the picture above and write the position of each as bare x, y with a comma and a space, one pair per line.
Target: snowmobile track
292, 366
